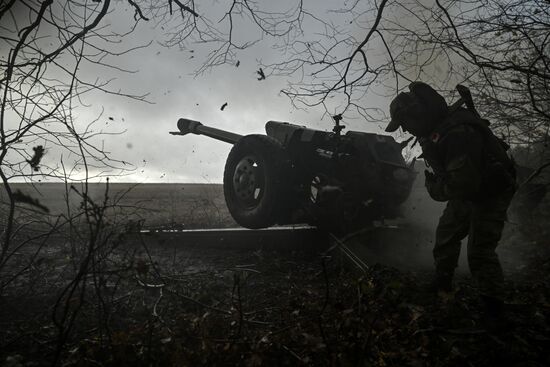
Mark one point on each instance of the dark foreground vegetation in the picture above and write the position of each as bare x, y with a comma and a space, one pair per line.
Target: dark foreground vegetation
141, 301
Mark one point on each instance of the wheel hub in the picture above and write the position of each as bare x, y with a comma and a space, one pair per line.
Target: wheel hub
245, 181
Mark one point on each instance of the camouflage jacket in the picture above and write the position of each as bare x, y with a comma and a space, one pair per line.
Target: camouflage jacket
468, 161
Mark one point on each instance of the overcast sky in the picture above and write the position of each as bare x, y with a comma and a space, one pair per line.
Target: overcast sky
174, 91
168, 76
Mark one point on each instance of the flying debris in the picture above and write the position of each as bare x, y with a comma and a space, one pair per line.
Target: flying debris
238, 63
223, 106
261, 74
37, 157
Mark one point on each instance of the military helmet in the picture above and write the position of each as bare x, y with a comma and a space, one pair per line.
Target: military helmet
422, 102
400, 107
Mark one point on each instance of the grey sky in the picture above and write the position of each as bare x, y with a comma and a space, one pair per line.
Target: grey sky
167, 76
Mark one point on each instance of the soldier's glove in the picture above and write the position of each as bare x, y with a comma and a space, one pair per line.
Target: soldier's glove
435, 186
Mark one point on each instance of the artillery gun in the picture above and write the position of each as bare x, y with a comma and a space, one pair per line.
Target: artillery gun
298, 175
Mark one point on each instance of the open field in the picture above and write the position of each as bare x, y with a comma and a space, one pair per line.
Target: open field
157, 205
195, 206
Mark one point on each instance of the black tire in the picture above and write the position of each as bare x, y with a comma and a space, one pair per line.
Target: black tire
254, 182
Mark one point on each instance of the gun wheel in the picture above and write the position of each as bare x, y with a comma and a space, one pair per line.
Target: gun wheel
253, 181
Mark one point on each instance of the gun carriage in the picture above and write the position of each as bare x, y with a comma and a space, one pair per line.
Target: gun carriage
294, 174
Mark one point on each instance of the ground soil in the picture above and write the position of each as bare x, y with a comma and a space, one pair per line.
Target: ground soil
171, 304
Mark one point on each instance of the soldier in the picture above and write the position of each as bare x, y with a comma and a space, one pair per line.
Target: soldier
473, 173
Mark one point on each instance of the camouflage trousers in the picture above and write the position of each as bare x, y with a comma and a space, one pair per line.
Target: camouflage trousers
482, 221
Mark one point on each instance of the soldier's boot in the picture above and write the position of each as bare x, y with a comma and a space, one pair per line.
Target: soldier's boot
496, 316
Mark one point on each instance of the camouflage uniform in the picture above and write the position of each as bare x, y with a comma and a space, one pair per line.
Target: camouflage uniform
473, 173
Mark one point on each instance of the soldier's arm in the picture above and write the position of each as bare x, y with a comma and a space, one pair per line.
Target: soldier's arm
462, 149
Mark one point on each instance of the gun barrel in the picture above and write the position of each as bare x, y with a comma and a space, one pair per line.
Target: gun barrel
187, 126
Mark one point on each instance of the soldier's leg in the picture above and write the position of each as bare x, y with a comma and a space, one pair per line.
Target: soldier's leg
488, 219
452, 229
